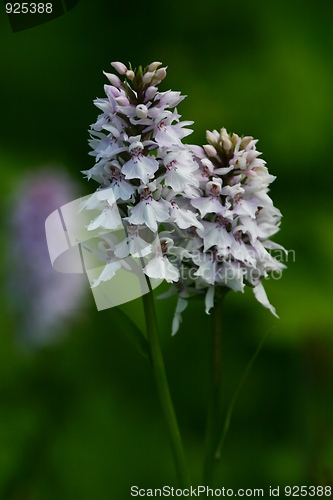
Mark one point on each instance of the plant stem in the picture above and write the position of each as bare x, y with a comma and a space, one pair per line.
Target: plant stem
163, 390
214, 409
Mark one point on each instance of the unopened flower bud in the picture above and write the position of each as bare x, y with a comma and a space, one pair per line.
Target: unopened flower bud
141, 111
245, 141
251, 173
153, 66
210, 150
147, 77
113, 79
120, 67
213, 136
159, 75
112, 91
130, 75
151, 92
234, 138
252, 155
227, 144
122, 101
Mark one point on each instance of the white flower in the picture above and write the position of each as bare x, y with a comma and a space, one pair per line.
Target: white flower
133, 245
108, 272
207, 267
216, 234
139, 166
149, 211
184, 218
108, 219
169, 99
122, 190
211, 203
180, 166
231, 274
160, 268
110, 194
166, 133
105, 147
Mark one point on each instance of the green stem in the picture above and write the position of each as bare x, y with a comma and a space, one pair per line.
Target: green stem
163, 390
214, 409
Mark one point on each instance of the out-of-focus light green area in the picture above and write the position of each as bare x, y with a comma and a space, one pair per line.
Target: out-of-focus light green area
80, 419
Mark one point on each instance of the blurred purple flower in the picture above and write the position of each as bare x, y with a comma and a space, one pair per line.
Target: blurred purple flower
44, 300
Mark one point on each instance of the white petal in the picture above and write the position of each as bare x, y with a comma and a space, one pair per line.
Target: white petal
122, 250
208, 205
143, 213
223, 170
140, 167
215, 234
181, 306
274, 246
161, 210
260, 295
108, 272
139, 247
90, 203
134, 245
155, 268
209, 299
231, 275
106, 194
109, 219
148, 212
171, 271
160, 268
185, 218
122, 189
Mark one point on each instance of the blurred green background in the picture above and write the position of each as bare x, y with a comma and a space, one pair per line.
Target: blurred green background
80, 419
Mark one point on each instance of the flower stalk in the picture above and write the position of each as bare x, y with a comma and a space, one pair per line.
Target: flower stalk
214, 409
163, 390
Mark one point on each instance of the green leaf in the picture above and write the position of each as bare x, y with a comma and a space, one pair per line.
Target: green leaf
235, 395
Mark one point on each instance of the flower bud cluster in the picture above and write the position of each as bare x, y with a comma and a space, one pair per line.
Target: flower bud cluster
209, 204
233, 249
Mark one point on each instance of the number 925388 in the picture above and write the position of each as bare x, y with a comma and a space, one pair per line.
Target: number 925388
29, 8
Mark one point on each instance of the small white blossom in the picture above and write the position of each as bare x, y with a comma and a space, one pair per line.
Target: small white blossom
108, 219
139, 166
133, 245
149, 211
159, 266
